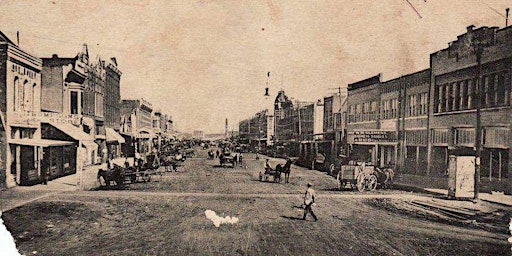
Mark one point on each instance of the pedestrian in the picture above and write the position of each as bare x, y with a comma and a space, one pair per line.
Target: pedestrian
240, 158
217, 154
309, 200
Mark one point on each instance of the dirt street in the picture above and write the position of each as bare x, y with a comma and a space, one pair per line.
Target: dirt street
167, 217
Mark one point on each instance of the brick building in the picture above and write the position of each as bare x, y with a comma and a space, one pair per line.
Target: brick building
455, 90
111, 108
26, 157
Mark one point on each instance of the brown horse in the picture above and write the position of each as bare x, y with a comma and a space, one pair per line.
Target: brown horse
385, 177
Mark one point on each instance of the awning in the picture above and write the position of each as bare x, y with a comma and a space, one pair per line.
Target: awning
40, 142
77, 134
112, 135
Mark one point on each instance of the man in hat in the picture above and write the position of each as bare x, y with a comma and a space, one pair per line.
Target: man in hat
309, 200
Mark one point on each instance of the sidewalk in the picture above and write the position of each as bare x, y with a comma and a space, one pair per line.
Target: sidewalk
20, 195
492, 198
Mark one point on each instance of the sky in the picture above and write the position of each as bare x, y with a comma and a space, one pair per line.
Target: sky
204, 61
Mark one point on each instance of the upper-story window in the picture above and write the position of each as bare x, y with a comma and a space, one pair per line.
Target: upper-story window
16, 95
462, 95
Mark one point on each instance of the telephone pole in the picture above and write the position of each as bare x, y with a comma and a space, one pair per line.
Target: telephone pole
478, 47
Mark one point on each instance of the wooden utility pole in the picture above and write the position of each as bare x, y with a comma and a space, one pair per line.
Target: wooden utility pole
478, 47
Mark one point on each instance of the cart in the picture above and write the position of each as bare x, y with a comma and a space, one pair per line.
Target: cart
358, 175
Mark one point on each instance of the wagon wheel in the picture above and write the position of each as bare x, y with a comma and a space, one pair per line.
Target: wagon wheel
372, 182
331, 169
360, 182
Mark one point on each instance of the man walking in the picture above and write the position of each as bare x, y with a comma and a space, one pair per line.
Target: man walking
309, 200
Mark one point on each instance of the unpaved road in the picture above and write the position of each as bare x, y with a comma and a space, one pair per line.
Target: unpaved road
166, 217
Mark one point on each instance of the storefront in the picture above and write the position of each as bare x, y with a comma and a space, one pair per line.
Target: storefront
69, 132
33, 160
375, 146
114, 141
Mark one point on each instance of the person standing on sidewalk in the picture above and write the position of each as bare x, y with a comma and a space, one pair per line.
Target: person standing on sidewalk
309, 200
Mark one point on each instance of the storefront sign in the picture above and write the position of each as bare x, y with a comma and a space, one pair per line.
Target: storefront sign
371, 136
29, 117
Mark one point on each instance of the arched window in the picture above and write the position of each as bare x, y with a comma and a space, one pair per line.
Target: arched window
27, 96
34, 97
15, 93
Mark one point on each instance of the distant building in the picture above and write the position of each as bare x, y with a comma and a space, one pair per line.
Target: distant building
137, 127
255, 130
198, 134
284, 116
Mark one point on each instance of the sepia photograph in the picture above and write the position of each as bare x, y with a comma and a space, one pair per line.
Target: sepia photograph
255, 127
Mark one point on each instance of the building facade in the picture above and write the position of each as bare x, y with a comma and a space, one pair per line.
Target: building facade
111, 109
137, 127
459, 85
25, 157
256, 129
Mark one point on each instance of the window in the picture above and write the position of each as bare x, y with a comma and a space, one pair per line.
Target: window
27, 96
74, 103
16, 96
486, 91
34, 97
441, 107
455, 97
463, 95
423, 109
449, 97
465, 136
471, 94
440, 136
502, 90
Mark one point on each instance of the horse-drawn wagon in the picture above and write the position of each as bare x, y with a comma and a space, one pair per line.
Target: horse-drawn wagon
227, 158
276, 173
364, 176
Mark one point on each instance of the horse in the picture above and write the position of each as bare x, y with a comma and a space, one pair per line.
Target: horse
385, 177
169, 162
286, 169
115, 174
